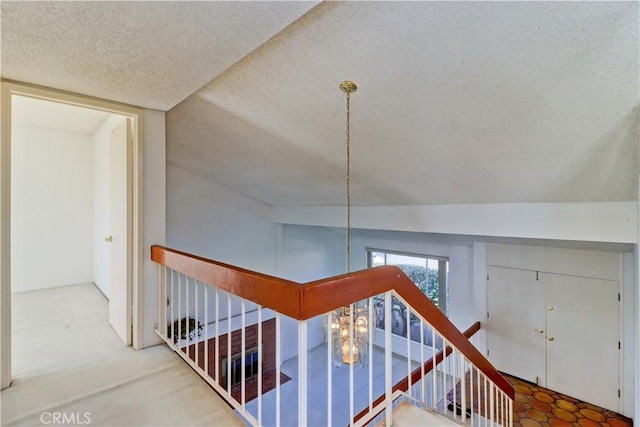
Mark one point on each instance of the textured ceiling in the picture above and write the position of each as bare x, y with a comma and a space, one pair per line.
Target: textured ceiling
458, 102
148, 54
54, 115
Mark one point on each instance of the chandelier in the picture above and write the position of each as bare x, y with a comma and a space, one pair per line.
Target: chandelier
347, 328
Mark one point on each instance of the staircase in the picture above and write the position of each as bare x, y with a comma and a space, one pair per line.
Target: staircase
215, 316
408, 415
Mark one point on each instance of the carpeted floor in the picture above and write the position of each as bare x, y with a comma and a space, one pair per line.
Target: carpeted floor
539, 407
68, 361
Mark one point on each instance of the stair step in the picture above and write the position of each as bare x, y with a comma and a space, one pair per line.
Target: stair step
406, 414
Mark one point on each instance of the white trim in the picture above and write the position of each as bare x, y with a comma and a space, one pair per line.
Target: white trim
135, 271
558, 221
627, 403
5, 242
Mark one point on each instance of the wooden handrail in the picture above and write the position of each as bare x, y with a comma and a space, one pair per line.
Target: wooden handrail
304, 301
417, 374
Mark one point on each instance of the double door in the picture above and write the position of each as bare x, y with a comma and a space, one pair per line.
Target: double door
559, 331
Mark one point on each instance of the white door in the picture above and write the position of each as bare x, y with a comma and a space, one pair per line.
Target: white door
582, 338
119, 199
516, 323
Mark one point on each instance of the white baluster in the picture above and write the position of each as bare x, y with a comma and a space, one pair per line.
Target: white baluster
172, 308
472, 397
179, 310
196, 338
492, 403
351, 397
229, 343
159, 329
454, 369
408, 327
302, 373
387, 358
243, 352
434, 371
463, 388
206, 330
216, 360
478, 391
278, 362
186, 314
329, 368
423, 380
371, 328
259, 365
486, 401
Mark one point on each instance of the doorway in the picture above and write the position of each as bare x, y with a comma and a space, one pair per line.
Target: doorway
121, 220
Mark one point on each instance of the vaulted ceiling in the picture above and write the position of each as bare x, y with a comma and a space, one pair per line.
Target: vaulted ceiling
458, 102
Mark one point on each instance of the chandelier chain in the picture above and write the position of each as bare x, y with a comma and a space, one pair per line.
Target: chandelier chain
348, 140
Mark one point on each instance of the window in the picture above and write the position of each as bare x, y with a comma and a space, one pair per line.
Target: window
429, 273
251, 367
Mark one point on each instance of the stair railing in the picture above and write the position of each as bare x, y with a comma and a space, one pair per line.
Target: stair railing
418, 374
228, 324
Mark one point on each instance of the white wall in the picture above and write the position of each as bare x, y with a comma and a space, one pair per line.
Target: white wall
52, 208
154, 225
306, 254
210, 220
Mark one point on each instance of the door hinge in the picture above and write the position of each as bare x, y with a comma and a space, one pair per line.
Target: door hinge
487, 314
619, 347
537, 278
618, 296
487, 352
487, 277
618, 393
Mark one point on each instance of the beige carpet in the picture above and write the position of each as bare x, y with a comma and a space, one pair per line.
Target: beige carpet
68, 360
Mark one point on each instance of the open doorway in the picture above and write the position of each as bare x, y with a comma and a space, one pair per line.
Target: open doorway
68, 201
71, 187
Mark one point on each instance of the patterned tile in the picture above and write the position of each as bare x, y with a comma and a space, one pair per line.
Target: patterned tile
539, 407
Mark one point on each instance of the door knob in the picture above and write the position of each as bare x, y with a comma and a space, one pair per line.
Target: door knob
550, 308
540, 331
109, 239
550, 338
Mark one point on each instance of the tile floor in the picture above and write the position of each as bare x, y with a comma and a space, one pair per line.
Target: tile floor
539, 407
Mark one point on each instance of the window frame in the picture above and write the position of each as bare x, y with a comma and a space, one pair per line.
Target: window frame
443, 303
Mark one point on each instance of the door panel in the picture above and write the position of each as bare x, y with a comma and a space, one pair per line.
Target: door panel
119, 296
583, 320
516, 310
